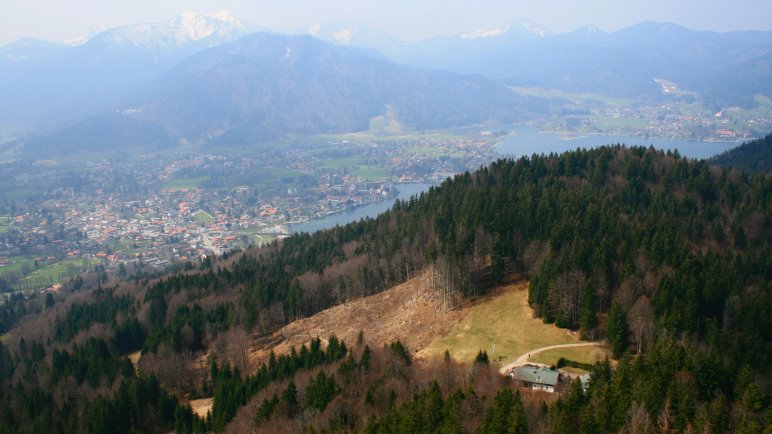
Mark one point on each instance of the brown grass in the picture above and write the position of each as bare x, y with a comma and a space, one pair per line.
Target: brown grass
409, 312
201, 406
134, 358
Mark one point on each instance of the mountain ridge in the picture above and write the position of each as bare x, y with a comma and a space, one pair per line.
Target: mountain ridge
45, 91
266, 85
58, 86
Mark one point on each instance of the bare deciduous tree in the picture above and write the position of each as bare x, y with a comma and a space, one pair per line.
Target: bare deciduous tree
564, 295
640, 319
638, 420
173, 370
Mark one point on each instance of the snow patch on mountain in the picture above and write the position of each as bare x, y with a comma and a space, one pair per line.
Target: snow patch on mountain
353, 34
534, 27
485, 33
522, 28
343, 36
80, 40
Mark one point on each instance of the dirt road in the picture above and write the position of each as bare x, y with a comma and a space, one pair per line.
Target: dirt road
522, 360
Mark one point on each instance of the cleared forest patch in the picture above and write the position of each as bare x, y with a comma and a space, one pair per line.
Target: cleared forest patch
412, 313
409, 312
505, 320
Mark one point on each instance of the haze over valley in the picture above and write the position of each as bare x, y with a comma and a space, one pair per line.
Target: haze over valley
285, 219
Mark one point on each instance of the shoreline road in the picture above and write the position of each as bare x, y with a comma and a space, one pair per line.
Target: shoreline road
523, 359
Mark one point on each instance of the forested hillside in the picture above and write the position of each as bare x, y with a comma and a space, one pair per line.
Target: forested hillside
754, 156
667, 258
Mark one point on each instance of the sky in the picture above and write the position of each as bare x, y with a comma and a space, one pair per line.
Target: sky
410, 20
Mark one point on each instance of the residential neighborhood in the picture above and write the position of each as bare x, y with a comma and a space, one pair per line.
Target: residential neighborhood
173, 209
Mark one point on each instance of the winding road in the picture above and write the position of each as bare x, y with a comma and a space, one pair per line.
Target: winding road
522, 360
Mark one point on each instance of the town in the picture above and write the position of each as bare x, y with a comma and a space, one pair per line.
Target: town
679, 115
156, 212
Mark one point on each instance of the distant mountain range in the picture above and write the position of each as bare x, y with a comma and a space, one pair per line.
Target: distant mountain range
621, 63
46, 84
209, 78
266, 85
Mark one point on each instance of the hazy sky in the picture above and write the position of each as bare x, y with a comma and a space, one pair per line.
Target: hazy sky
61, 20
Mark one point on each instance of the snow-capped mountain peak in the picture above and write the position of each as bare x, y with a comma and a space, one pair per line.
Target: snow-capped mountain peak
523, 29
485, 33
353, 34
224, 15
189, 27
193, 26
534, 27
340, 32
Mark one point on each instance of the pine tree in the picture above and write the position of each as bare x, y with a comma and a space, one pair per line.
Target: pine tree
482, 357
290, 398
616, 330
364, 360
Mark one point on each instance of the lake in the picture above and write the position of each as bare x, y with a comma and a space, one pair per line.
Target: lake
370, 210
528, 141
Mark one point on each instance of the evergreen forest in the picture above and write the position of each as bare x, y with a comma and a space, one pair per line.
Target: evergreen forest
667, 259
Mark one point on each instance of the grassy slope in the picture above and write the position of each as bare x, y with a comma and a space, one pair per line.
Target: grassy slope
507, 321
411, 313
203, 217
581, 354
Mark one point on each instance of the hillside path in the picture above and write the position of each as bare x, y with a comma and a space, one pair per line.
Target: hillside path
520, 361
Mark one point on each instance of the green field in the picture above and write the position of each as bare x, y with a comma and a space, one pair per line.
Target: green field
579, 354
16, 263
54, 273
553, 93
341, 163
203, 217
505, 320
19, 194
283, 174
185, 183
49, 274
372, 173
